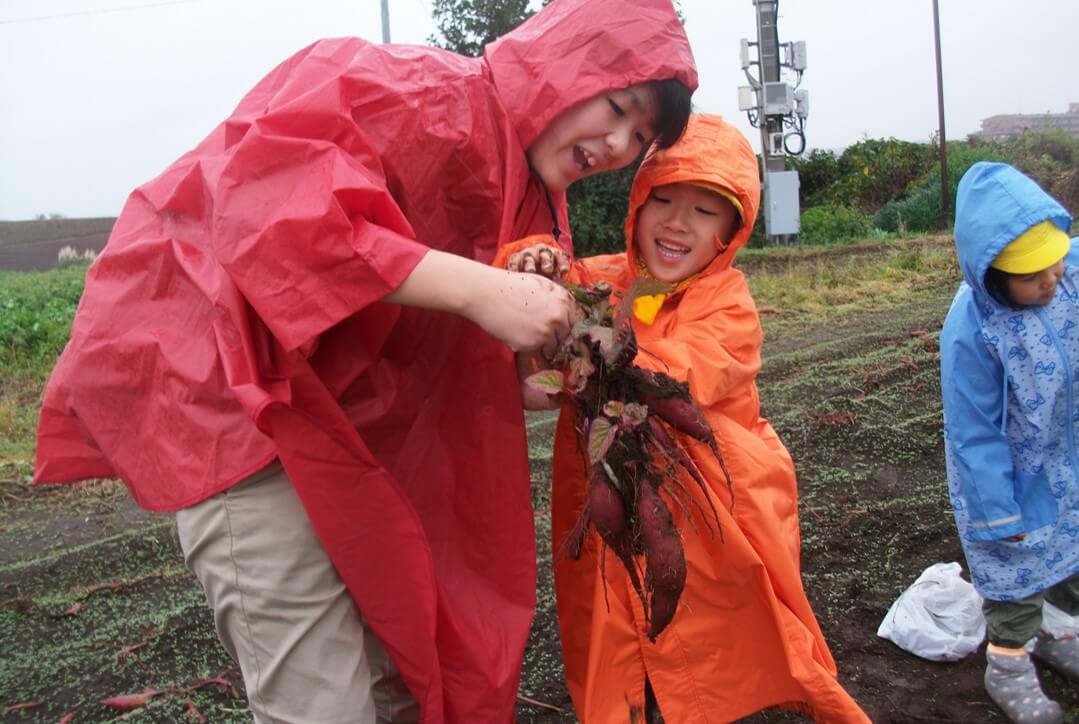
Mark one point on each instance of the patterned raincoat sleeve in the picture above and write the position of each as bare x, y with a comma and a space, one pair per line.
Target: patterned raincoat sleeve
973, 384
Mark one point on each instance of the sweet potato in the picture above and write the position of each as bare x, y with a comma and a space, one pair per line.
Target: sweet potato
665, 567
633, 454
681, 414
607, 511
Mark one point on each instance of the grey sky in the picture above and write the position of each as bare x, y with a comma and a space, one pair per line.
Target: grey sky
99, 96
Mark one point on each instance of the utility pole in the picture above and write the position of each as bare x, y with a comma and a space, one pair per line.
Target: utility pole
768, 55
940, 115
385, 21
772, 106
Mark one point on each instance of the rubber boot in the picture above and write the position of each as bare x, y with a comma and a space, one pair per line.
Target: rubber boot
1013, 685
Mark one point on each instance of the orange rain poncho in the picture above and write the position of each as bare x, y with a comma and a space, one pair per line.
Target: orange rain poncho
234, 317
744, 636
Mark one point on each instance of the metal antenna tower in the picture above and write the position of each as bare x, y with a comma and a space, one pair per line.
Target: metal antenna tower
779, 109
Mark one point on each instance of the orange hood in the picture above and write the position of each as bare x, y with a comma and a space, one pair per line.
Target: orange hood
711, 152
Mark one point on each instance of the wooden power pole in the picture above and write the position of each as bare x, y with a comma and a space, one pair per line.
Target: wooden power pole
940, 115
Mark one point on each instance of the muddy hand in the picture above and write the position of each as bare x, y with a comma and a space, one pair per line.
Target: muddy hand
540, 259
526, 311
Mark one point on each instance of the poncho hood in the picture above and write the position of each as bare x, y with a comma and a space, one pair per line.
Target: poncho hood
996, 203
574, 50
714, 153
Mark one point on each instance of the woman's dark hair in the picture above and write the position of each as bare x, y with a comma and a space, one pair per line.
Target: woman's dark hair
673, 104
996, 285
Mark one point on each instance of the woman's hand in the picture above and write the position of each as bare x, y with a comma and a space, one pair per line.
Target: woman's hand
526, 311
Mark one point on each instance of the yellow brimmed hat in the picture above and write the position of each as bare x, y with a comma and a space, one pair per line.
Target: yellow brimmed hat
714, 188
1039, 247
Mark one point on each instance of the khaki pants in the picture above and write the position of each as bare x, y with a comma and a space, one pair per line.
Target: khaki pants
283, 613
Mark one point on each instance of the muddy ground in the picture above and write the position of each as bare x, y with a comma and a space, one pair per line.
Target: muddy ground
94, 600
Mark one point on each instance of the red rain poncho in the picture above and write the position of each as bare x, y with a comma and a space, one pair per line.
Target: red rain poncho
234, 316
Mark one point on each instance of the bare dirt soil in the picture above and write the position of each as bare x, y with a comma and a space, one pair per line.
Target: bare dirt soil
95, 602
34, 245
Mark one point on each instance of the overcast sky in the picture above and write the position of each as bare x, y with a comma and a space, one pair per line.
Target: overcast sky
98, 96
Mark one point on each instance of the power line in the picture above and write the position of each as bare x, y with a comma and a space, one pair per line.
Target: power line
102, 11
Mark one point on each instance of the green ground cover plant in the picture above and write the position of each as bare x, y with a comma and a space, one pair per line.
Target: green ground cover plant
95, 602
36, 309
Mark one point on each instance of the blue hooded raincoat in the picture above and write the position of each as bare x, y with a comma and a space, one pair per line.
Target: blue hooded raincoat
1010, 381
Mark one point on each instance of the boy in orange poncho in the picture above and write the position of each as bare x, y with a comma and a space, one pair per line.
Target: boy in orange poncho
744, 636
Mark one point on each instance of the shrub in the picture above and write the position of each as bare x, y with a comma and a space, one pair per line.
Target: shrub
920, 210
832, 224
817, 172
598, 207
36, 309
872, 172
1051, 147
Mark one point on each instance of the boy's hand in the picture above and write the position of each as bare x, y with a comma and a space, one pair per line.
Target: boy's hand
540, 259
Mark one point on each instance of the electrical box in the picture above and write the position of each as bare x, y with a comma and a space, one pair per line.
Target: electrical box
747, 98
801, 103
781, 213
798, 55
778, 99
743, 53
775, 144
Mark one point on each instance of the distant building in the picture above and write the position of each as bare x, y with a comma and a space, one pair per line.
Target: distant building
997, 128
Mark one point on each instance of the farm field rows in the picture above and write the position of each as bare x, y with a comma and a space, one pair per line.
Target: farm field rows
95, 601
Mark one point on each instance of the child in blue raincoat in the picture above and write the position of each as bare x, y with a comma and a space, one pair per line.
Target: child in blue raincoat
1010, 382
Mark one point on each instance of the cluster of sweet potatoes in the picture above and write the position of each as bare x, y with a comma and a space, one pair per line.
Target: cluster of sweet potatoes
634, 426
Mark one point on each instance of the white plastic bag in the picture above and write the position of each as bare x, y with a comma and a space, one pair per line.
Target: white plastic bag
938, 618
1058, 624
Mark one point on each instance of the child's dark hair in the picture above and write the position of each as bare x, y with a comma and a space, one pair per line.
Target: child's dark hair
673, 104
996, 284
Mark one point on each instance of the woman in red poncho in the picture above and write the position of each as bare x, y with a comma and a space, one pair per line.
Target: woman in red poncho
289, 340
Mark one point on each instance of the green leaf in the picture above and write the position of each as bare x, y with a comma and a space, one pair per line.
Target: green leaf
549, 381
604, 336
580, 369
634, 414
614, 408
600, 436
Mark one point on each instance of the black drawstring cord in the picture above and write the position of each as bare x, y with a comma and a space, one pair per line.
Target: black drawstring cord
555, 232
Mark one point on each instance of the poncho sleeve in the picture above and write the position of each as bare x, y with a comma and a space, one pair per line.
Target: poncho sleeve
303, 220
972, 385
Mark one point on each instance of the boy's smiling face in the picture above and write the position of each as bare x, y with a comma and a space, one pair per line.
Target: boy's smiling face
603, 133
677, 228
